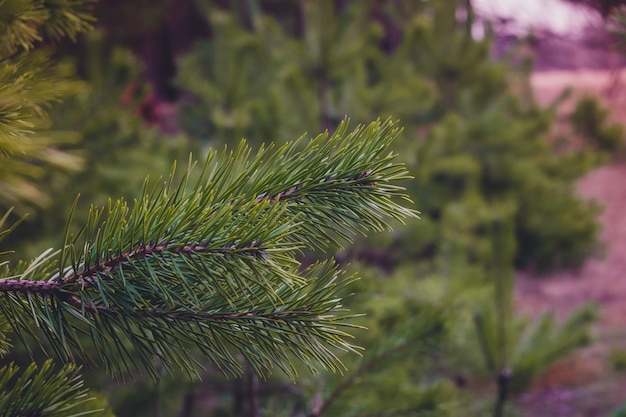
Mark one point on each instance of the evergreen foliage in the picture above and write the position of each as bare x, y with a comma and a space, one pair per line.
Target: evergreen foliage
212, 267
473, 139
44, 391
29, 82
211, 264
486, 147
115, 144
204, 268
268, 84
406, 338
198, 263
589, 121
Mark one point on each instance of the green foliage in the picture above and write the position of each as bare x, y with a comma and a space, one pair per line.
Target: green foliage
117, 149
619, 412
477, 144
204, 267
589, 122
534, 348
406, 335
481, 161
563, 241
490, 339
617, 357
480, 144
232, 98
29, 82
209, 263
45, 391
267, 85
488, 149
24, 23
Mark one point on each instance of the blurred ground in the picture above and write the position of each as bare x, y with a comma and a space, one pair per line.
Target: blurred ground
586, 385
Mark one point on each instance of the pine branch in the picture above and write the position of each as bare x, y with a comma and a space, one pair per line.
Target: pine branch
28, 83
25, 23
209, 263
42, 392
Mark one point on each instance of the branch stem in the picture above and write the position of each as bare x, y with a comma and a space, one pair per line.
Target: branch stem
27, 286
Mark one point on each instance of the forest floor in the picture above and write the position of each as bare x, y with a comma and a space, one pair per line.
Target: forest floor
588, 383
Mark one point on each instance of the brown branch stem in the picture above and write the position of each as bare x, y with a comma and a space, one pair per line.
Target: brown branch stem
107, 266
86, 278
292, 192
502, 380
52, 288
80, 280
27, 286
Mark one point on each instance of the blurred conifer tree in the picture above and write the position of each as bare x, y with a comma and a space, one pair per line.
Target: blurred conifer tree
202, 264
477, 151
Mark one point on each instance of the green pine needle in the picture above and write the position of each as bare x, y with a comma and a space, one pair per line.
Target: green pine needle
207, 263
43, 391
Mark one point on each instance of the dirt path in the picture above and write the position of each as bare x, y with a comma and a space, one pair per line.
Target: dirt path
602, 279
586, 385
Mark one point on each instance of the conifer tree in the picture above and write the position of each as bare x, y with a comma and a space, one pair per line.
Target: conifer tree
209, 263
212, 248
200, 268
480, 155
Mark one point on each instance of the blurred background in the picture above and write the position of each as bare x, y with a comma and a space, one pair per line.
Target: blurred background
504, 298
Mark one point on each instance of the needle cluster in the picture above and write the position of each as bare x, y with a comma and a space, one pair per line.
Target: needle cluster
203, 266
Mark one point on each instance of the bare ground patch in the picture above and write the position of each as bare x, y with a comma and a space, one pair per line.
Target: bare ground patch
585, 385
